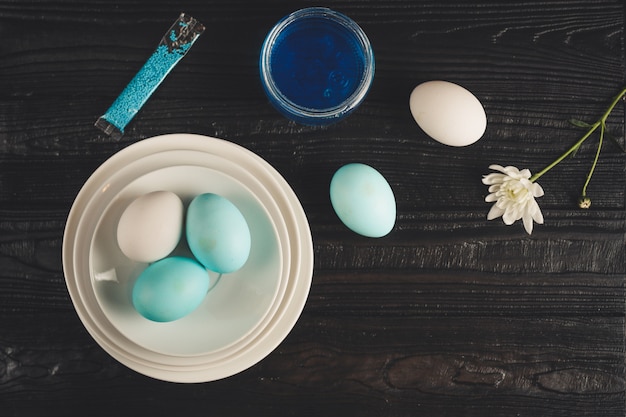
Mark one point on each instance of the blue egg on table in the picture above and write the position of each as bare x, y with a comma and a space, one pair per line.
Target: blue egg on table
363, 200
170, 288
217, 233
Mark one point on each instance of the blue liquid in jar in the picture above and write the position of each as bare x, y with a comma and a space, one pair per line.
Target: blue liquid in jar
317, 63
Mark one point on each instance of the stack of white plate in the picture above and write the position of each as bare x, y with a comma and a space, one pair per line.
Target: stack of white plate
245, 315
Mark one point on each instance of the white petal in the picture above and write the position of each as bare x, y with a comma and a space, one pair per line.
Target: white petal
528, 224
537, 190
491, 198
516, 211
497, 167
511, 171
493, 178
495, 212
503, 203
526, 183
509, 218
537, 215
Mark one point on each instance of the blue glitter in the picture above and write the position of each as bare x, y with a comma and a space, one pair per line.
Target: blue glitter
141, 87
172, 48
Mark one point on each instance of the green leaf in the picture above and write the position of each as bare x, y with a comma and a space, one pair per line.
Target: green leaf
579, 123
573, 154
613, 139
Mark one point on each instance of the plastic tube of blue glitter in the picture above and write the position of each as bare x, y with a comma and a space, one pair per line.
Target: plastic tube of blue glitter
174, 45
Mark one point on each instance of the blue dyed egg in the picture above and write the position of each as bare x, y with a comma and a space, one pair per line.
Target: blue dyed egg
217, 233
170, 288
363, 200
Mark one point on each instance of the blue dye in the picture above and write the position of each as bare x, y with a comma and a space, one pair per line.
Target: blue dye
171, 49
141, 87
317, 63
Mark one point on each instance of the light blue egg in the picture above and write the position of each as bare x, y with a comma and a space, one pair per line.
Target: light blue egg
217, 233
170, 288
363, 200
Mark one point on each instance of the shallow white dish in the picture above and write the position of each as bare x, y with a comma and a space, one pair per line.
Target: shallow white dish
236, 303
155, 162
253, 177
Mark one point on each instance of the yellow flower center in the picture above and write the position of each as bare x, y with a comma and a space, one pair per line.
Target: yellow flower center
513, 190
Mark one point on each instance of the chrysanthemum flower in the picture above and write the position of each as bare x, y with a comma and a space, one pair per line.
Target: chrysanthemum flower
513, 195
513, 192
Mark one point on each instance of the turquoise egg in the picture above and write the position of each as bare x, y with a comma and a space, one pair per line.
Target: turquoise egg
170, 288
363, 200
217, 233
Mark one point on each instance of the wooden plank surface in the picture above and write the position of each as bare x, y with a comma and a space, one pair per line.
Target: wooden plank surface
449, 315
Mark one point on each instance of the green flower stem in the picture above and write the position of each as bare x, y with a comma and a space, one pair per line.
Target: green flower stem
595, 160
601, 123
566, 154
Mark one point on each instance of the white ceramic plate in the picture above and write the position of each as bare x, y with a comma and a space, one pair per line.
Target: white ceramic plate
282, 212
155, 162
231, 310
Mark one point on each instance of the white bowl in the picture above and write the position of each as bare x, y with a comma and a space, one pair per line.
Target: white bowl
232, 309
242, 320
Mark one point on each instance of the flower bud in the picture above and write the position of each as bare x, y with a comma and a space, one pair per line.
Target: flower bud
584, 202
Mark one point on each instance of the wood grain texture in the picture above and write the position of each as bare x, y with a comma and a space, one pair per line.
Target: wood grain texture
449, 315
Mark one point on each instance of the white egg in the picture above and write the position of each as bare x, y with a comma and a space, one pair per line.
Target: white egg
448, 113
151, 226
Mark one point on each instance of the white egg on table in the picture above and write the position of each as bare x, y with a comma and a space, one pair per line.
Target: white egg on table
448, 113
150, 227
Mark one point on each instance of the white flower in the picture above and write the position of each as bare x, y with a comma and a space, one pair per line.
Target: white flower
513, 195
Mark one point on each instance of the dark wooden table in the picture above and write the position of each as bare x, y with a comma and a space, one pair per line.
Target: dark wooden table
448, 315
